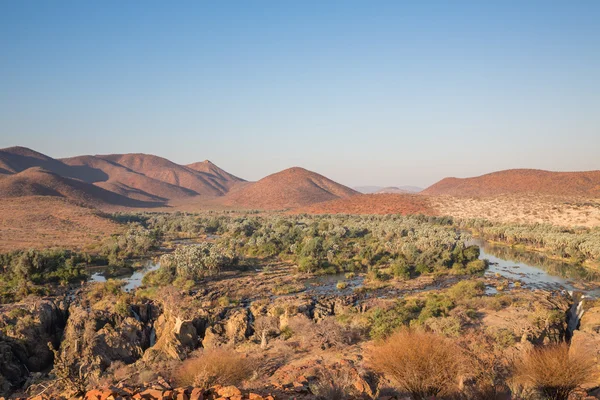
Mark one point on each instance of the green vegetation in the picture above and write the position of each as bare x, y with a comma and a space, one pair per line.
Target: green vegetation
190, 263
574, 245
420, 311
411, 245
25, 272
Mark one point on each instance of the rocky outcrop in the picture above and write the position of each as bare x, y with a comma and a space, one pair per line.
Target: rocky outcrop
95, 339
176, 337
587, 338
160, 392
26, 329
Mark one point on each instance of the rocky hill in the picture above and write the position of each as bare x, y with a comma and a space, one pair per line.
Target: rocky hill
37, 181
521, 181
291, 188
125, 180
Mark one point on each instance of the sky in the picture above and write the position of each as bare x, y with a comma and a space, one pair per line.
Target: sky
364, 92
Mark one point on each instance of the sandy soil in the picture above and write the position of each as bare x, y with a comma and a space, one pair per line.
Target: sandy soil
523, 209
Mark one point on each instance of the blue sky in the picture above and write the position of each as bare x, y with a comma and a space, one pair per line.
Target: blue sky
365, 92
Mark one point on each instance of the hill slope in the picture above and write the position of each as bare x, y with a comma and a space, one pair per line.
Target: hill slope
521, 181
17, 159
217, 175
384, 203
45, 221
39, 182
167, 171
293, 187
127, 182
387, 189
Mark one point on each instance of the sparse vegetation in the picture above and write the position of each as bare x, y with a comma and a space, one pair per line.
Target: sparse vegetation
555, 371
420, 363
215, 367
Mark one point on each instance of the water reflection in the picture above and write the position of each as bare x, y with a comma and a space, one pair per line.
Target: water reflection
537, 271
132, 280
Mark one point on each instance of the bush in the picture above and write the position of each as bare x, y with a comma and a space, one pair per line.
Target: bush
554, 371
466, 290
334, 384
197, 261
214, 367
384, 322
421, 363
324, 334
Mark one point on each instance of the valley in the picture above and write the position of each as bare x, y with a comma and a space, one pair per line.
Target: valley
130, 275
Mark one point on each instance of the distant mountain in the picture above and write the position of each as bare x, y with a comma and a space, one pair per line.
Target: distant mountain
37, 181
119, 179
384, 203
216, 174
202, 183
517, 181
17, 159
388, 189
293, 187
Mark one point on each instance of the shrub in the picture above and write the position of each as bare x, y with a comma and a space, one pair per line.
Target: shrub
487, 367
197, 261
421, 363
466, 290
288, 288
334, 384
341, 285
554, 371
384, 322
215, 367
476, 266
401, 269
324, 334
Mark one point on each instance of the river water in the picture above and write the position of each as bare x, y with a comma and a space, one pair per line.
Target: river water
532, 269
535, 271
132, 280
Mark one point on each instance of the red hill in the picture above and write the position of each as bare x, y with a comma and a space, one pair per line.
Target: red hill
167, 171
39, 182
521, 181
383, 203
291, 188
218, 176
127, 182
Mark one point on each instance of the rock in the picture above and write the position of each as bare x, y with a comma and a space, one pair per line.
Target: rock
24, 347
587, 339
197, 394
237, 326
152, 394
228, 391
93, 395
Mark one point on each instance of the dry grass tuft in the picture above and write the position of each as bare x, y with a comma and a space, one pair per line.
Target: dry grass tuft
555, 371
215, 367
421, 363
334, 384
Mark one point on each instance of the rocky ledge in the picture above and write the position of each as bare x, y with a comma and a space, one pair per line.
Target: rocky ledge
162, 391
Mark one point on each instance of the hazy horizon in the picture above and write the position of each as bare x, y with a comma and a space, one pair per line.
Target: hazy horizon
378, 94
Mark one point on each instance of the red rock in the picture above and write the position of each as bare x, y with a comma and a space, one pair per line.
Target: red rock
254, 396
228, 391
152, 394
93, 395
162, 382
196, 394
